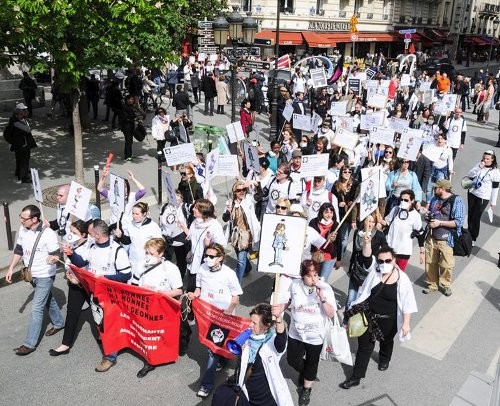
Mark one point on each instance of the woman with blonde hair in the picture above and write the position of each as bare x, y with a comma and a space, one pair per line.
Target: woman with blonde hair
243, 225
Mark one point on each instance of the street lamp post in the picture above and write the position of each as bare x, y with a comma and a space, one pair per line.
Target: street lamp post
273, 134
496, 22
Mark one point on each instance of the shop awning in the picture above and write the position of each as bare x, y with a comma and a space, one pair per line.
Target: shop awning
316, 40
417, 37
438, 36
363, 37
286, 37
476, 40
489, 40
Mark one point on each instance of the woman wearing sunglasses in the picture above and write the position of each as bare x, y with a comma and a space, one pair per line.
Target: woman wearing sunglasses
243, 224
402, 221
387, 298
218, 285
399, 180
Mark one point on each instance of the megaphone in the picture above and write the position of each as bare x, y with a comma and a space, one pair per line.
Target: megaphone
467, 182
234, 346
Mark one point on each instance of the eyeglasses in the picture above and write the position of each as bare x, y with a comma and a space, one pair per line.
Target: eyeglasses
212, 256
382, 261
281, 207
405, 200
241, 190
183, 173
23, 219
388, 152
347, 171
405, 162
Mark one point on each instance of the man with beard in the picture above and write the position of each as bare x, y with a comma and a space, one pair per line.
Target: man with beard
446, 212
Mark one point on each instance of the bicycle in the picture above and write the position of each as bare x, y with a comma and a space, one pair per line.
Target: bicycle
160, 98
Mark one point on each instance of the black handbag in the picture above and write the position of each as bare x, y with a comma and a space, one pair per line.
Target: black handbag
140, 132
357, 271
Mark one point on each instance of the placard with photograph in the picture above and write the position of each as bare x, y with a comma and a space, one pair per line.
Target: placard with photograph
235, 132
169, 188
37, 187
211, 162
179, 154
368, 196
409, 146
78, 200
345, 139
282, 244
288, 112
318, 77
227, 165
380, 135
377, 100
398, 124
116, 193
251, 157
338, 108
301, 122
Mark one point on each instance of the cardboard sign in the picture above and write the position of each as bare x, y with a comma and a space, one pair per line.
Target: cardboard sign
179, 154
433, 152
211, 163
314, 165
288, 112
78, 200
425, 86
405, 80
377, 100
301, 122
318, 77
37, 187
116, 194
227, 165
398, 124
368, 197
338, 108
169, 188
251, 157
235, 132
354, 85
409, 147
315, 122
379, 135
345, 139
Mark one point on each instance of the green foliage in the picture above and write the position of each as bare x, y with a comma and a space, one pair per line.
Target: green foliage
73, 36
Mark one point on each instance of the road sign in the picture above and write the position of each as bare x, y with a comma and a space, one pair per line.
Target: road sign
260, 65
354, 37
206, 41
408, 31
205, 24
262, 41
208, 49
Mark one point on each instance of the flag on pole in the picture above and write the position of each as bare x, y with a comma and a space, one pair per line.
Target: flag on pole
284, 62
337, 71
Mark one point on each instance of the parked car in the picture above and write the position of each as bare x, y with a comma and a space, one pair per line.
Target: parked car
439, 64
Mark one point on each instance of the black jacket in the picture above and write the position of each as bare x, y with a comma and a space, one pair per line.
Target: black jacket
208, 86
180, 100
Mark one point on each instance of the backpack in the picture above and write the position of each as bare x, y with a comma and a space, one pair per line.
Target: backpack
462, 245
8, 133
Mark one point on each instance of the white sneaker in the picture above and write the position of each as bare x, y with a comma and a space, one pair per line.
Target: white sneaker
203, 393
473, 243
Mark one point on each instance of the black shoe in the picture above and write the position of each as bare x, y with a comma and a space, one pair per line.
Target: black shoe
55, 353
145, 370
305, 397
382, 366
349, 383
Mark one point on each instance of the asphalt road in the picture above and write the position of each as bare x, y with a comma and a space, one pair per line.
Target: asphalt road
452, 337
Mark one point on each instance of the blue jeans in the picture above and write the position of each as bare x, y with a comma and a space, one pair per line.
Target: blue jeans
352, 294
42, 298
208, 378
326, 269
112, 357
436, 174
243, 265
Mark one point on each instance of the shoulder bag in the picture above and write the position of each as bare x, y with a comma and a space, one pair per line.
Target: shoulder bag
26, 271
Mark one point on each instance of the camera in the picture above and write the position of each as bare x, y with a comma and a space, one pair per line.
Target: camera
476, 184
429, 216
61, 232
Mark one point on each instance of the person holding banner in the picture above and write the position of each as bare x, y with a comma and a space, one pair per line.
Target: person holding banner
316, 196
442, 168
76, 294
161, 276
399, 180
261, 356
218, 285
190, 189
243, 225
311, 303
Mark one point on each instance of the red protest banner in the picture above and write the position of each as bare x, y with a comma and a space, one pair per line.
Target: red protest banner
215, 327
145, 321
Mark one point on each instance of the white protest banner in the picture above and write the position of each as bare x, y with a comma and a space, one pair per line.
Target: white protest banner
201, 57
213, 58
191, 59
345, 139
116, 193
288, 112
427, 97
228, 166
318, 77
383, 91
78, 200
338, 108
169, 188
414, 132
398, 124
314, 165
409, 146
368, 202
377, 100
425, 86
433, 152
37, 187
405, 80
235, 132
384, 83
379, 135
361, 76
179, 154
211, 163
439, 108
345, 122
367, 121
379, 117
315, 120
281, 244
301, 122
367, 172
251, 157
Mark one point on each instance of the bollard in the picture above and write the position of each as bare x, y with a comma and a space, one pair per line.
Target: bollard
209, 145
159, 155
96, 181
8, 229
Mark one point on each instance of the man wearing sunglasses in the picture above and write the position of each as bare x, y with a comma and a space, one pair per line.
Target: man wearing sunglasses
43, 270
280, 186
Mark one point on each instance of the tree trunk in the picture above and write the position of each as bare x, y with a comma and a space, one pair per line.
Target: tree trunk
78, 139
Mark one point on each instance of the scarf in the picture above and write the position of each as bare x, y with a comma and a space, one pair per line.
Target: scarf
254, 344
